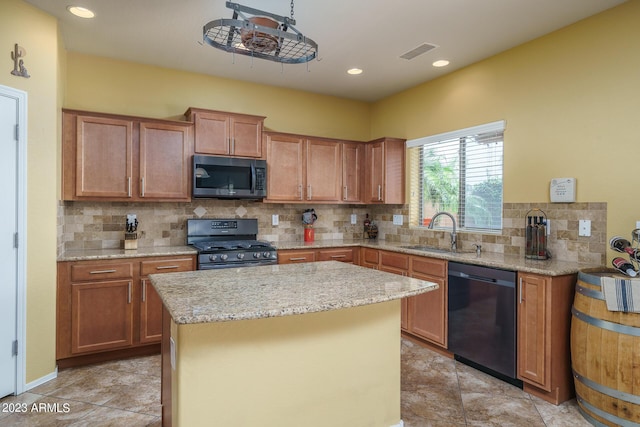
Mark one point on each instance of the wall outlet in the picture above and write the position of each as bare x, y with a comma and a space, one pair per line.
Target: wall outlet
584, 227
354, 219
397, 220
637, 224
275, 220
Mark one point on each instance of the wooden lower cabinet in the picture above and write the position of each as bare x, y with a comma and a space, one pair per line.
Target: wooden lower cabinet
427, 313
291, 256
101, 315
108, 308
544, 314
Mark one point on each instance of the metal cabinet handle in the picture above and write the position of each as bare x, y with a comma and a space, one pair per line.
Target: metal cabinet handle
346, 192
379, 192
102, 271
142, 187
144, 290
128, 186
300, 190
129, 296
233, 145
309, 192
338, 256
298, 259
166, 267
520, 299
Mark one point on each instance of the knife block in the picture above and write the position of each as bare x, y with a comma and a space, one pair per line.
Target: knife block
130, 241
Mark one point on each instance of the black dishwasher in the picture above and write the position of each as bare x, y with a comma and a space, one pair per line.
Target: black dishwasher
482, 319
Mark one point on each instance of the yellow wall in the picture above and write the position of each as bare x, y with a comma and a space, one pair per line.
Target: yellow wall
106, 85
37, 32
571, 101
334, 368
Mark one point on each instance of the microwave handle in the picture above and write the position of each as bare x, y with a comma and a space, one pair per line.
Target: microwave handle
253, 177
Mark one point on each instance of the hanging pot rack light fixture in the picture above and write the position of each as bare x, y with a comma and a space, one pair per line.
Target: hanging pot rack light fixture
260, 34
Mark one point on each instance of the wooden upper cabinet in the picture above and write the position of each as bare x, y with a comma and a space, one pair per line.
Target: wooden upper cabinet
302, 169
285, 169
324, 170
165, 152
385, 174
104, 157
352, 172
120, 158
226, 134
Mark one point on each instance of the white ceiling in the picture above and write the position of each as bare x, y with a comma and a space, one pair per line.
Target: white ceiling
368, 34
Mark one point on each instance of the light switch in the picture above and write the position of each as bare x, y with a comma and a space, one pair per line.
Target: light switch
354, 219
275, 219
584, 227
397, 220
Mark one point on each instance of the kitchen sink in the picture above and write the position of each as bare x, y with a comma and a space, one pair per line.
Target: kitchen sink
427, 249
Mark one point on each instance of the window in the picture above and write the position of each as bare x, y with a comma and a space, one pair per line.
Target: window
459, 172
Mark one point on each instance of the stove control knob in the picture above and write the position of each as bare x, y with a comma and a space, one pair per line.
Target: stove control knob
256, 254
213, 257
266, 255
240, 256
223, 257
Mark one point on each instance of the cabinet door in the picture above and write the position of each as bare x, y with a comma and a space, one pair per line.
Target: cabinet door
101, 316
352, 162
104, 162
150, 302
375, 173
295, 256
284, 168
324, 170
246, 136
150, 313
369, 258
427, 312
165, 169
212, 133
534, 349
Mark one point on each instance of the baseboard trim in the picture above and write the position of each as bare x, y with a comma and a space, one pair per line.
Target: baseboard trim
33, 384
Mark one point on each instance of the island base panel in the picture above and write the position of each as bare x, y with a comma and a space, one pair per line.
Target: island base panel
337, 368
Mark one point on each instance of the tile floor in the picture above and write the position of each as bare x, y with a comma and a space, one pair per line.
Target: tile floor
436, 392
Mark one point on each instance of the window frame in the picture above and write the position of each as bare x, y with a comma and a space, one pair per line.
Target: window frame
416, 202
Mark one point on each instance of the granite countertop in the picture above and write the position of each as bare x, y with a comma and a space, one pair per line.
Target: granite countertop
550, 267
97, 254
207, 296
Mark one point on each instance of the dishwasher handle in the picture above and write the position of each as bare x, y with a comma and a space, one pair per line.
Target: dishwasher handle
493, 281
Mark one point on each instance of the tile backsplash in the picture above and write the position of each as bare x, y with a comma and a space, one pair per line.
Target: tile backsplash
101, 225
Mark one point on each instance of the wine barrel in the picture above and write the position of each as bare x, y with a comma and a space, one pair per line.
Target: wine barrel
605, 355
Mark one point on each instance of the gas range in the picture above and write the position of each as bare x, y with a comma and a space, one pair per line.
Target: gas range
229, 243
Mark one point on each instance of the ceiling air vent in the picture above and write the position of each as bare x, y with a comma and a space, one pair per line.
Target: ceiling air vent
423, 48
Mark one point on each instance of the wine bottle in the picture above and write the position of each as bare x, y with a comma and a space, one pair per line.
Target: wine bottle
529, 237
624, 266
620, 244
542, 239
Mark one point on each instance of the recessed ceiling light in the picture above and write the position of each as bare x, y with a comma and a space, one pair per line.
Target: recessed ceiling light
354, 71
81, 12
441, 63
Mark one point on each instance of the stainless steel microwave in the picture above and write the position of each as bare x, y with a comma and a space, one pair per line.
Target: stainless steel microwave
229, 178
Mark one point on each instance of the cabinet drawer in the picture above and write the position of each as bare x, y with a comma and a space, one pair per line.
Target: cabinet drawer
394, 260
166, 266
101, 271
344, 255
430, 266
296, 256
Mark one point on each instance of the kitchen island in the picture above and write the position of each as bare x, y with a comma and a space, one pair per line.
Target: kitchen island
285, 345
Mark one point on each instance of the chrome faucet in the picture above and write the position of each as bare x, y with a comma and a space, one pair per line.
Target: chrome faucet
454, 244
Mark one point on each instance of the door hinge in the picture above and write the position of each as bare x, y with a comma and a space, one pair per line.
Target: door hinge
16, 240
15, 348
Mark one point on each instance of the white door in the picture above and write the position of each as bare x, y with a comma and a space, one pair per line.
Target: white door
9, 108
